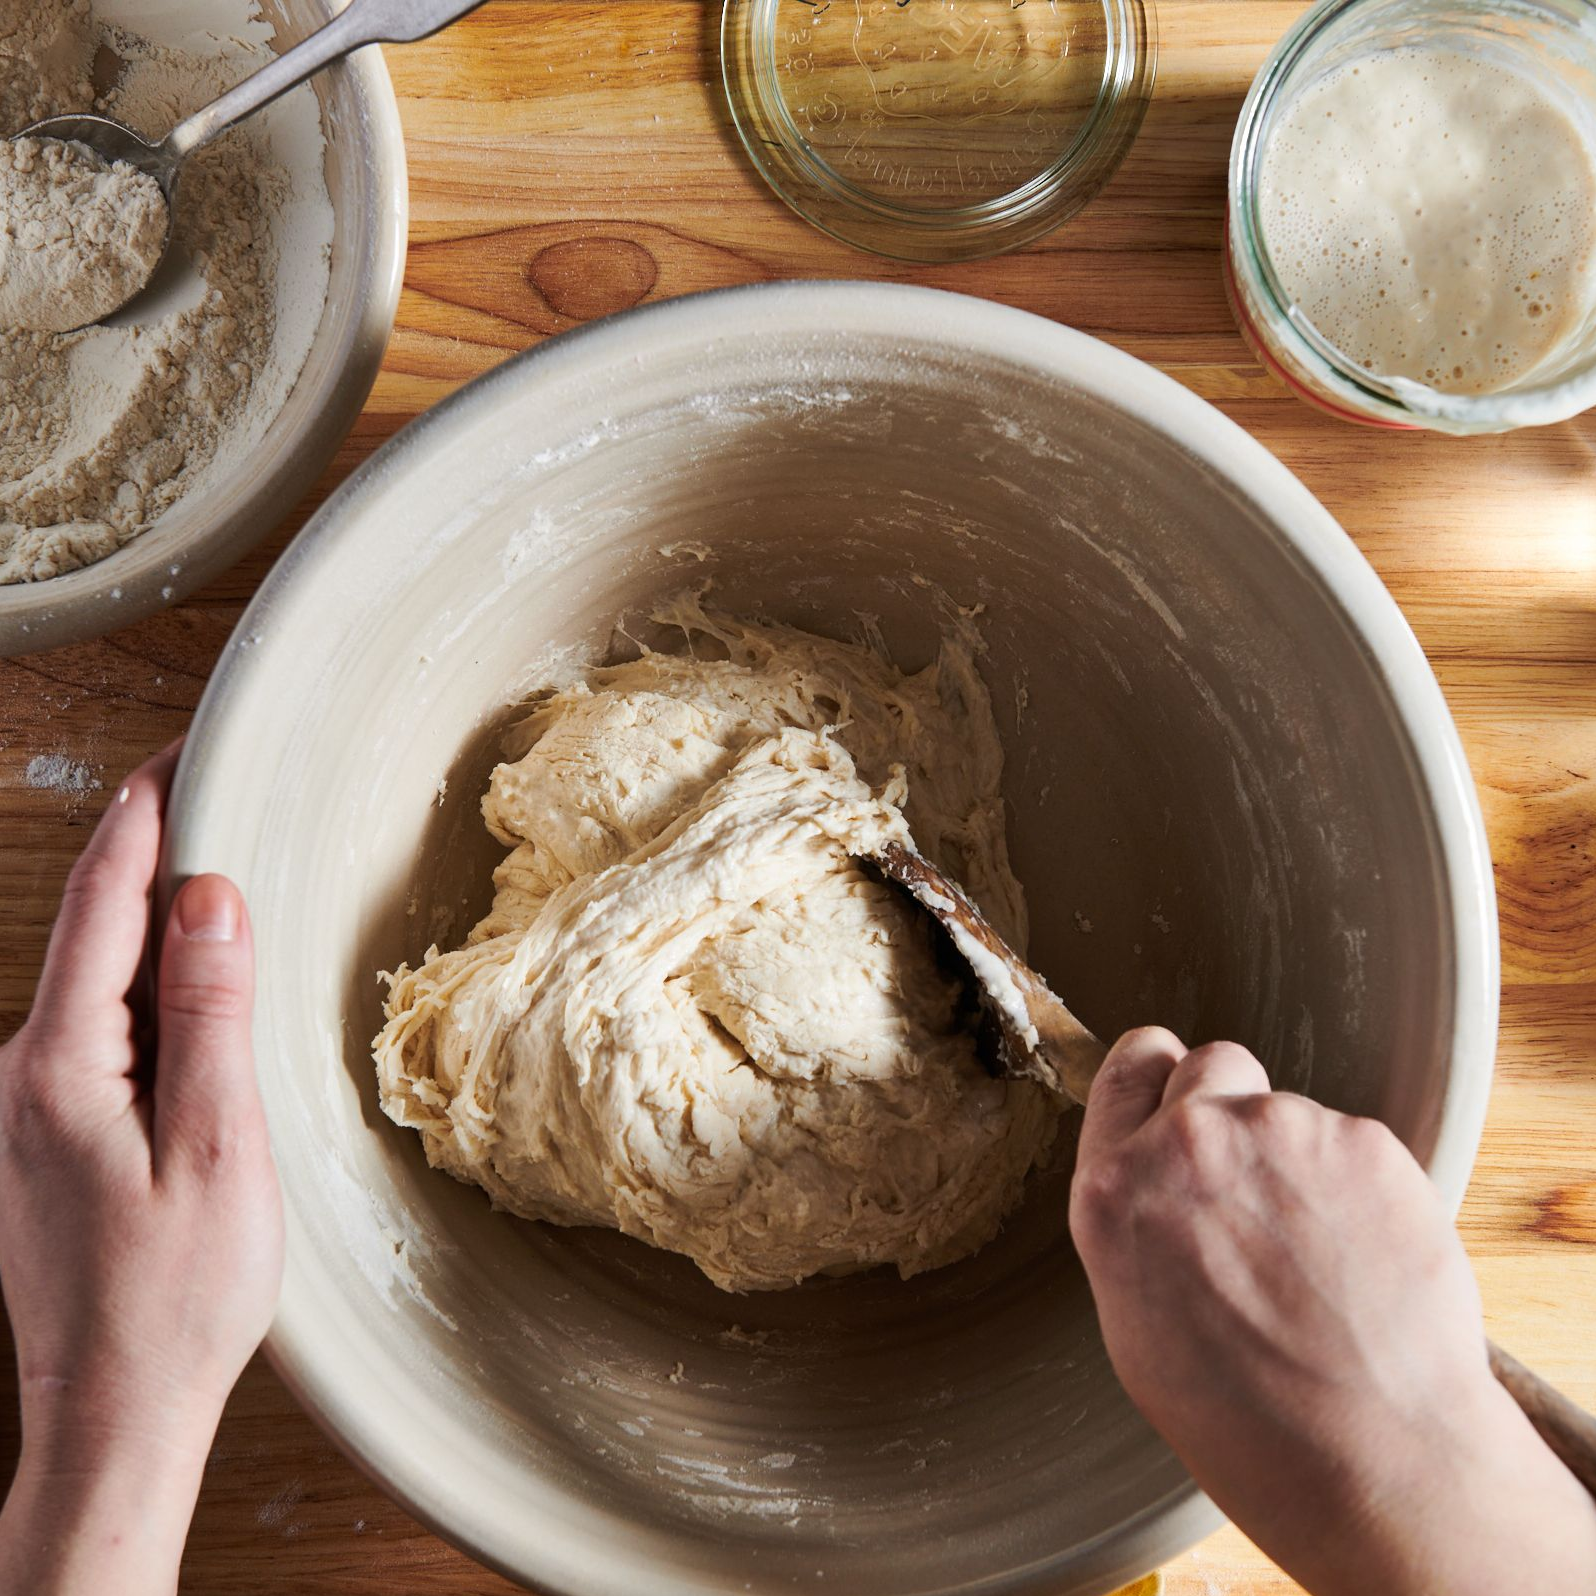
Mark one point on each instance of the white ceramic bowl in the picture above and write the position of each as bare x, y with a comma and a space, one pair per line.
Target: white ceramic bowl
216, 526
1239, 807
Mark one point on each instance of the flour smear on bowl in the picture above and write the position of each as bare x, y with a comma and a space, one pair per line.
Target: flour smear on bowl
103, 431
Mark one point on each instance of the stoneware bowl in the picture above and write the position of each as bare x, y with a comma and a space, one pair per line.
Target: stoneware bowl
217, 525
1239, 807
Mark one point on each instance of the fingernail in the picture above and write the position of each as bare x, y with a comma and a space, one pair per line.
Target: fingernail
207, 910
1147, 1041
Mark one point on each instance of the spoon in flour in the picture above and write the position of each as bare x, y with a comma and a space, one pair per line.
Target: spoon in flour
1038, 1038
118, 146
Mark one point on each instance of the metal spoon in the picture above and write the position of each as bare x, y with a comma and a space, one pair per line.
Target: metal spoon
361, 22
1041, 1040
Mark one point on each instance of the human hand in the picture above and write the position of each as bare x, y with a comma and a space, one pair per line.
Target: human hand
1284, 1297
142, 1245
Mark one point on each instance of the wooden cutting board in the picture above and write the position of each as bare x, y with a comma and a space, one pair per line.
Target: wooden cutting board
568, 160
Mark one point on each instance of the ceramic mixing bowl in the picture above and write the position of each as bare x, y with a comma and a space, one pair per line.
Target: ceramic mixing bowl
1239, 807
215, 526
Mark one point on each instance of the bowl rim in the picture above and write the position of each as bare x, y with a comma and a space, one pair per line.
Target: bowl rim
974, 329
97, 599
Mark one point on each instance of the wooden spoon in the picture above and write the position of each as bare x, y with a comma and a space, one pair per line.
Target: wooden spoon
1040, 1040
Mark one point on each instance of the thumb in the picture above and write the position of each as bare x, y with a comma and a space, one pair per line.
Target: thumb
1128, 1089
205, 1095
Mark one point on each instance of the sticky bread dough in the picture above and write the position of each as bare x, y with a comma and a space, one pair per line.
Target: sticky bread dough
690, 1014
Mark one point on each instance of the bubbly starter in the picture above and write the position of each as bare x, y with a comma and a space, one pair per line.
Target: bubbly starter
1433, 214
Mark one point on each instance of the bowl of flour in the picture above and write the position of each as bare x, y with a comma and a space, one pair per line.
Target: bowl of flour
696, 1262
138, 461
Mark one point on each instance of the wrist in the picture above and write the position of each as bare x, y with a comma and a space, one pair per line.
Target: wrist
75, 1460
1462, 1497
115, 1520
103, 1496
83, 1428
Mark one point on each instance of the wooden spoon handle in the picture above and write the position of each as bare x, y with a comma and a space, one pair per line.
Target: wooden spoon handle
1563, 1425
1075, 1054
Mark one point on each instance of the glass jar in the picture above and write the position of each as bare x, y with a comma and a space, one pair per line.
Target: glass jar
937, 130
1551, 43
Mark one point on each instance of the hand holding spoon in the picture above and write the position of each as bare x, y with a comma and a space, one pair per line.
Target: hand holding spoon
362, 22
1041, 1040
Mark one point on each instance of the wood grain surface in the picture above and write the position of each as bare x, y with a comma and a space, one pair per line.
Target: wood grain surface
568, 160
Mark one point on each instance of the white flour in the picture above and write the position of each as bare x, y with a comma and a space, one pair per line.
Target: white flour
78, 235
46, 56
102, 432
59, 774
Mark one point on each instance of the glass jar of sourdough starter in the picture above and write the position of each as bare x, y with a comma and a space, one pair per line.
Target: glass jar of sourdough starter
1411, 239
937, 130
